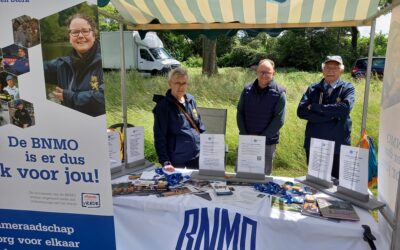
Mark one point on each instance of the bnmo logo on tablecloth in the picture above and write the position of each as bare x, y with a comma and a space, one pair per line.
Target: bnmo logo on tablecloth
204, 229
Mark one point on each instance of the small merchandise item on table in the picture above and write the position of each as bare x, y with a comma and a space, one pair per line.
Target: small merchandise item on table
157, 182
292, 197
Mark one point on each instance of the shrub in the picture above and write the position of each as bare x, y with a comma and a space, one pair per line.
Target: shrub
193, 62
241, 56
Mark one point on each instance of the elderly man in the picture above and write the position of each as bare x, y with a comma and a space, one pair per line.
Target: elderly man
326, 106
177, 124
261, 109
11, 89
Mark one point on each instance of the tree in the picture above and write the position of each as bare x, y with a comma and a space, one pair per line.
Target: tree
209, 56
354, 39
106, 23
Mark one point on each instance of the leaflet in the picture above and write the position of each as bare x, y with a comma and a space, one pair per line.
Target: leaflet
212, 152
354, 168
321, 158
114, 145
135, 144
251, 154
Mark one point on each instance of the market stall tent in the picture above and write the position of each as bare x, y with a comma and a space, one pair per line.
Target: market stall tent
250, 14
244, 14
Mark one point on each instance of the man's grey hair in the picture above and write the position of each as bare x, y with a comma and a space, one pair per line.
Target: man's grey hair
340, 65
177, 72
266, 60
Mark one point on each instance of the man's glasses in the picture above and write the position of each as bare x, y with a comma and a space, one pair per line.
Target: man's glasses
331, 68
180, 83
264, 73
75, 33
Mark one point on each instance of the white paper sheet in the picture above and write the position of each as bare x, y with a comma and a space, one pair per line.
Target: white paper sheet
354, 168
135, 144
321, 158
114, 145
212, 152
251, 154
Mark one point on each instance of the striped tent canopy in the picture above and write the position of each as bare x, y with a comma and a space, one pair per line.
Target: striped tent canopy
244, 14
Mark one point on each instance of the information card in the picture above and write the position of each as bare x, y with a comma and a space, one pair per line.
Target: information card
321, 158
114, 146
212, 152
354, 168
135, 144
251, 154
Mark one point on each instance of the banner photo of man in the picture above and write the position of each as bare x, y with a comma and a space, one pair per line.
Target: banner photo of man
55, 182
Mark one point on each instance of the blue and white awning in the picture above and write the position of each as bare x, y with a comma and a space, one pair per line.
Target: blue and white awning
209, 14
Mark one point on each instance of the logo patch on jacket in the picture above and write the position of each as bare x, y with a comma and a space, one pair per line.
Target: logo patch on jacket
195, 114
94, 83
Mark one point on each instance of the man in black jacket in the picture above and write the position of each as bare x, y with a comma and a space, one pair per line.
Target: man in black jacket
261, 109
21, 115
326, 106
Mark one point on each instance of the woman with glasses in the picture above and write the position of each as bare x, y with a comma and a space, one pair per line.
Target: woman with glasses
79, 76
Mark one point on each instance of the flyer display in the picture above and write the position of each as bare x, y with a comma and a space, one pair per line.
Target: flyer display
251, 154
135, 145
212, 150
321, 158
353, 172
114, 148
54, 165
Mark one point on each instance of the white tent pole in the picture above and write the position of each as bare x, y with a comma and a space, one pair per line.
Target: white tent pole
123, 90
368, 76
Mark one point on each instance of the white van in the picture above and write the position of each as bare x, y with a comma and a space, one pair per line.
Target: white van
144, 55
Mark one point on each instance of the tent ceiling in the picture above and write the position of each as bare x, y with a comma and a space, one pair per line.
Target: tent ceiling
244, 14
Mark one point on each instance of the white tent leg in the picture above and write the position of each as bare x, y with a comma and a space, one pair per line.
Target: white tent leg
368, 76
123, 90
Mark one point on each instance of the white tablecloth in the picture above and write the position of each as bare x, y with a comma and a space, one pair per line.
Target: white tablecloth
188, 221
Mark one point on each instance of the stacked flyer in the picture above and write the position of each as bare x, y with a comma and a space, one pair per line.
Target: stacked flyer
329, 208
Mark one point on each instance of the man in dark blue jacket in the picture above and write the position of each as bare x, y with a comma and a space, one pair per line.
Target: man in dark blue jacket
326, 106
177, 124
21, 65
261, 109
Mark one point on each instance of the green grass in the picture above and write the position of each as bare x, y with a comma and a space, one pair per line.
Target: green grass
223, 91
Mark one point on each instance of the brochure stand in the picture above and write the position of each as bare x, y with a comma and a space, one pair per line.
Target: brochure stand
231, 177
209, 172
212, 155
319, 181
352, 193
370, 204
254, 176
134, 153
353, 174
132, 168
116, 169
320, 163
251, 158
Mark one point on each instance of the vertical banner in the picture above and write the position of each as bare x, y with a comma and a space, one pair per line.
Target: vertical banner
389, 133
54, 169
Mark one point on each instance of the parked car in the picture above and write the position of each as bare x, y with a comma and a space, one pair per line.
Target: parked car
360, 67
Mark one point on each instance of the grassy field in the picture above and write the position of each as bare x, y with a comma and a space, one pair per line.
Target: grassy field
223, 91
